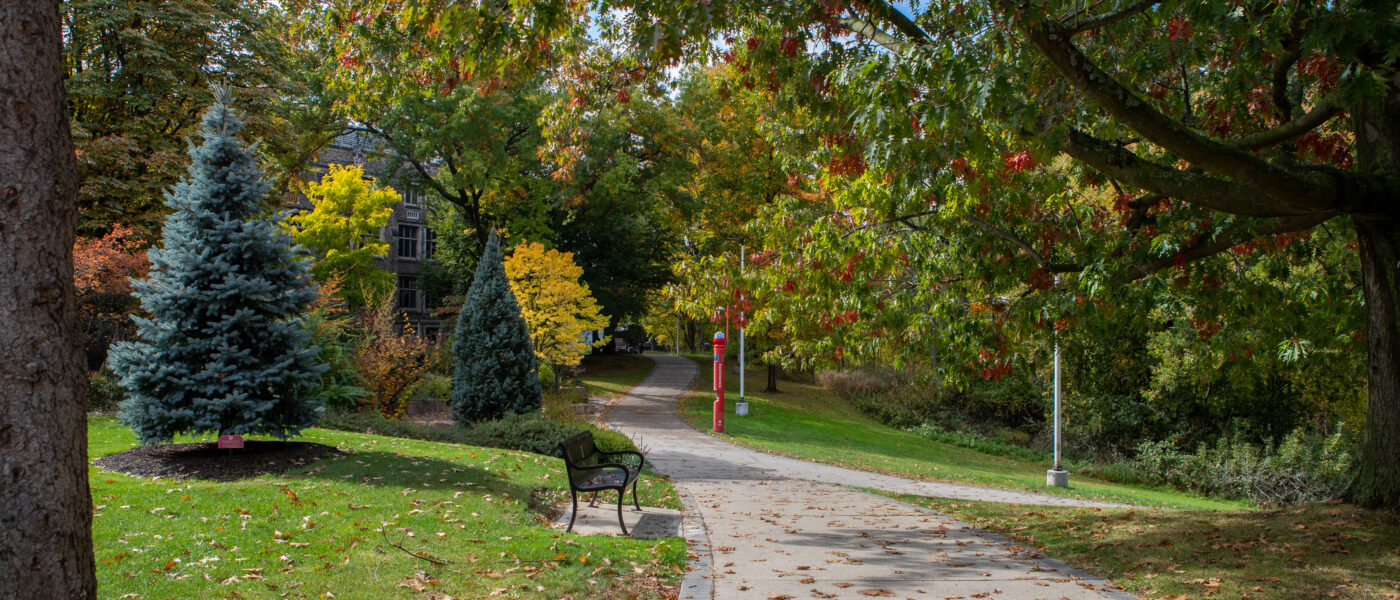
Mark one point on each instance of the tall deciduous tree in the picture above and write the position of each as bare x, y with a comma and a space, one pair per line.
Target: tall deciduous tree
45, 503
222, 351
556, 306
342, 231
139, 75
495, 364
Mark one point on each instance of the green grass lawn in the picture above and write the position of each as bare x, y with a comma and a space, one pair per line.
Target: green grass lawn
805, 421
335, 528
613, 375
1313, 551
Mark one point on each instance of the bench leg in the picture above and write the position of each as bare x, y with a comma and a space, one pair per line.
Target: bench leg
593, 500
638, 507
622, 493
574, 495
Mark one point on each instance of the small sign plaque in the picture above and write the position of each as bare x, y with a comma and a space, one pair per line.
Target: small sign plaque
230, 441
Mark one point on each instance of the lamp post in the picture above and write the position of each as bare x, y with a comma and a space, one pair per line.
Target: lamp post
742, 406
1057, 476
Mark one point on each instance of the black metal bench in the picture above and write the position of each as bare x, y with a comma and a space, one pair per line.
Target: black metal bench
593, 470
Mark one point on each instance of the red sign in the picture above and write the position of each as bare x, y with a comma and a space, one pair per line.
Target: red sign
230, 441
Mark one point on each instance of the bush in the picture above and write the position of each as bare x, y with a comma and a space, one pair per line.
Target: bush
433, 386
105, 393
1305, 467
1002, 442
848, 383
531, 432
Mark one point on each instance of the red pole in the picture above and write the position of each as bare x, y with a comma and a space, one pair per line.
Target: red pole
718, 409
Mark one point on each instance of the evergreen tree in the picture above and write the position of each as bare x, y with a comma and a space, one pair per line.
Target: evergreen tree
495, 360
221, 351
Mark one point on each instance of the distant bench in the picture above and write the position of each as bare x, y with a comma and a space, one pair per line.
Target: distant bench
592, 470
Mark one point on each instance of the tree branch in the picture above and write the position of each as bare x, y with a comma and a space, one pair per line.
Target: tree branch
1214, 193
1293, 190
874, 33
1320, 114
1015, 240
1278, 76
1221, 243
880, 9
1110, 18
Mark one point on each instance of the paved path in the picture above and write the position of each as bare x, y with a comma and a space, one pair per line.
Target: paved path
764, 526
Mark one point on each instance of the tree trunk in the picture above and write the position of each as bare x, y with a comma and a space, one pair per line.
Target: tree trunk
772, 378
45, 504
1378, 485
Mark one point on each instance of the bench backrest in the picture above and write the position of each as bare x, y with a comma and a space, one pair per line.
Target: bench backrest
579, 451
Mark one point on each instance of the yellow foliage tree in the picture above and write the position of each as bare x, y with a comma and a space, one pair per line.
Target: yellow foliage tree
348, 210
557, 306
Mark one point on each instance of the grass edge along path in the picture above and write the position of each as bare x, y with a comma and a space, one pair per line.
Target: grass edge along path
807, 422
1303, 552
614, 375
344, 527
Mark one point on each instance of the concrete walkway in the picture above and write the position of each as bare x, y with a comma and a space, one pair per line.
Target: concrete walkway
769, 527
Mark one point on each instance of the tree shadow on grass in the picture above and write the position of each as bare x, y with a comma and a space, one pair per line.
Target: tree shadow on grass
1302, 552
390, 469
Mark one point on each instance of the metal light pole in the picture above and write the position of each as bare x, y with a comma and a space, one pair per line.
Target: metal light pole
741, 407
741, 326
1057, 477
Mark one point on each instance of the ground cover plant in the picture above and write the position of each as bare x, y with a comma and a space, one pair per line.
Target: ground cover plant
1310, 551
390, 518
808, 422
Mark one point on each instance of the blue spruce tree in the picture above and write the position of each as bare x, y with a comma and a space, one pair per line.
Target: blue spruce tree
495, 362
222, 351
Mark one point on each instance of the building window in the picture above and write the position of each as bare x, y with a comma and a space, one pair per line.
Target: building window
412, 197
429, 243
408, 295
408, 241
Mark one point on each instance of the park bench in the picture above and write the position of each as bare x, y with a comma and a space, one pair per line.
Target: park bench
593, 470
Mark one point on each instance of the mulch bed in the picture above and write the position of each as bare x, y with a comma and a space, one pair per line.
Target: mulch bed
205, 460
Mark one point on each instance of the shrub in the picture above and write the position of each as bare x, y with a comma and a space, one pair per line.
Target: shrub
531, 432
341, 386
104, 393
433, 386
392, 356
848, 383
1305, 467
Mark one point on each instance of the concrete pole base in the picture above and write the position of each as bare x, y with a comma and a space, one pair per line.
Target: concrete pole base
741, 408
1057, 478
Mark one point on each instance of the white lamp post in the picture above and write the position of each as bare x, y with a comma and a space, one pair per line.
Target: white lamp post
1057, 476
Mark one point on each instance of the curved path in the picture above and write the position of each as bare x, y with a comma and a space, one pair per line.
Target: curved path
765, 526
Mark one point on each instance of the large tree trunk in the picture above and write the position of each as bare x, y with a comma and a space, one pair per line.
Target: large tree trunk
1377, 128
1378, 485
45, 505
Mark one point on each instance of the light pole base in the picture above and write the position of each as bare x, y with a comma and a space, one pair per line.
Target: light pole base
1057, 478
741, 408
